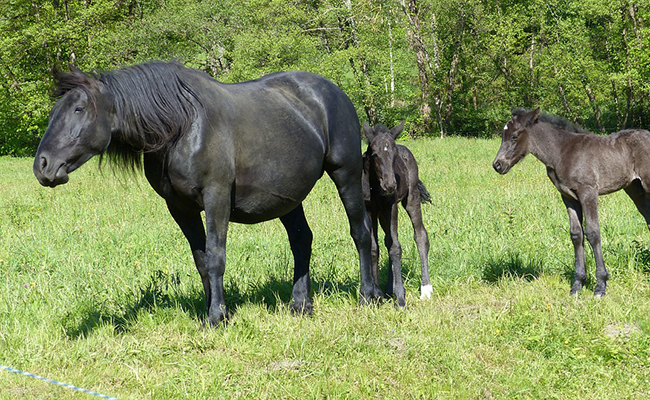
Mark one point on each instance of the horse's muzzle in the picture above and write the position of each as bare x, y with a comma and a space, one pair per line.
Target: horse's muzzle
49, 172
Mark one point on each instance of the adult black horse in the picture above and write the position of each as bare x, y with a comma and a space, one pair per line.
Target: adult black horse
245, 152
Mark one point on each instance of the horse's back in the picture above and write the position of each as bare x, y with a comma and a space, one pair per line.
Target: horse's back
410, 164
280, 127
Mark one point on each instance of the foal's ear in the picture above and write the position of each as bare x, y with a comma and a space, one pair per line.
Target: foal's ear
368, 131
396, 131
532, 117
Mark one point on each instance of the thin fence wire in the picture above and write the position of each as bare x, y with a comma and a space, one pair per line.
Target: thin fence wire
65, 385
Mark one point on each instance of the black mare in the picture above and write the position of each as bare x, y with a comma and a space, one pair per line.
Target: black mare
390, 178
582, 166
245, 152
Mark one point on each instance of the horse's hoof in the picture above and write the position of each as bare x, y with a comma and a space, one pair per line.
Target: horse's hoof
372, 296
576, 288
301, 308
400, 304
370, 301
600, 289
219, 318
425, 292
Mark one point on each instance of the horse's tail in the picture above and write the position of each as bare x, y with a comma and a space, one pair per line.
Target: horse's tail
425, 197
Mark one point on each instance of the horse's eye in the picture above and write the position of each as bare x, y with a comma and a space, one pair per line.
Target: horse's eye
514, 138
79, 109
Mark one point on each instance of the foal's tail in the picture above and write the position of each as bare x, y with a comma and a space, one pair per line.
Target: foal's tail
425, 197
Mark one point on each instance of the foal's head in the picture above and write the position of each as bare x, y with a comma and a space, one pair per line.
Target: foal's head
383, 153
515, 140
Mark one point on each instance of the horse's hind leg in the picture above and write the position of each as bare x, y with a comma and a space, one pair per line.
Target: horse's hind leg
300, 238
347, 178
641, 199
414, 210
574, 209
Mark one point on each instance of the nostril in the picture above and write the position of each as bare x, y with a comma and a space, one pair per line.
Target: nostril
43, 163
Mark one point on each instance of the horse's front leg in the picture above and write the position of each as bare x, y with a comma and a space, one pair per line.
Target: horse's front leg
589, 202
300, 239
191, 225
389, 222
217, 213
574, 209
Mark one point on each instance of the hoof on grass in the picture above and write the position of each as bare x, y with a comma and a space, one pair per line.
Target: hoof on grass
425, 292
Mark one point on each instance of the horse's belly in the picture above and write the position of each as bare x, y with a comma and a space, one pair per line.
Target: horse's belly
270, 195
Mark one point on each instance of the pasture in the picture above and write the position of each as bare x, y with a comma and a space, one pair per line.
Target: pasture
98, 289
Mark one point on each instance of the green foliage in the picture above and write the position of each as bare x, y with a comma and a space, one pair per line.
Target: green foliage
450, 66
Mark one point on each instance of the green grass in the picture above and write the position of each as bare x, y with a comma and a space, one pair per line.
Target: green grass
98, 289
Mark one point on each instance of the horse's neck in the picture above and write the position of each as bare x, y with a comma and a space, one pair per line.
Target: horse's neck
547, 142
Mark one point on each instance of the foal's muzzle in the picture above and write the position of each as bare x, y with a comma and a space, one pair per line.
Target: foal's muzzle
500, 166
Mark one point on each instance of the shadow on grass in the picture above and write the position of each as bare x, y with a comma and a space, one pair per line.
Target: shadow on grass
511, 266
641, 256
163, 291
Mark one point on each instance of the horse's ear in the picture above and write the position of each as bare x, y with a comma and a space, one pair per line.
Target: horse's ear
532, 117
368, 131
396, 131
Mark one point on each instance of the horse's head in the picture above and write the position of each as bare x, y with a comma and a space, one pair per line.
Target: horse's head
515, 140
383, 153
80, 127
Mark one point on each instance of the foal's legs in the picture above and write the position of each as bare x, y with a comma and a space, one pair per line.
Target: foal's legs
574, 210
389, 222
589, 202
414, 210
374, 248
300, 238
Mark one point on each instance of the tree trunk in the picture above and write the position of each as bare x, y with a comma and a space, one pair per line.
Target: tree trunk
363, 80
594, 105
414, 37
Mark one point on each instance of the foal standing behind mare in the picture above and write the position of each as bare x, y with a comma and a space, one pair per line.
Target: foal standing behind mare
390, 176
582, 167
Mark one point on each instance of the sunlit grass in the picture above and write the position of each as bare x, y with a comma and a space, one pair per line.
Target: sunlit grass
98, 289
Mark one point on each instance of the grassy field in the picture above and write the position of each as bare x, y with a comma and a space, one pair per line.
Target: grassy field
98, 290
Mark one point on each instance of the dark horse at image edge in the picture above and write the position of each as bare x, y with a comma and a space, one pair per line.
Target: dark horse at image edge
582, 166
390, 178
245, 152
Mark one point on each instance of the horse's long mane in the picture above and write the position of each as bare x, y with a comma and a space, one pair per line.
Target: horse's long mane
152, 102
559, 122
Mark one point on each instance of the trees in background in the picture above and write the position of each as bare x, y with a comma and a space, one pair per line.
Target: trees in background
446, 66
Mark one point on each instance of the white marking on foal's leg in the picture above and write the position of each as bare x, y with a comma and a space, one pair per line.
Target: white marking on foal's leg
426, 291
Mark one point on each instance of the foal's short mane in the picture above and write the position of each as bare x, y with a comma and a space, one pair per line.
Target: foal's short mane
153, 104
559, 122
